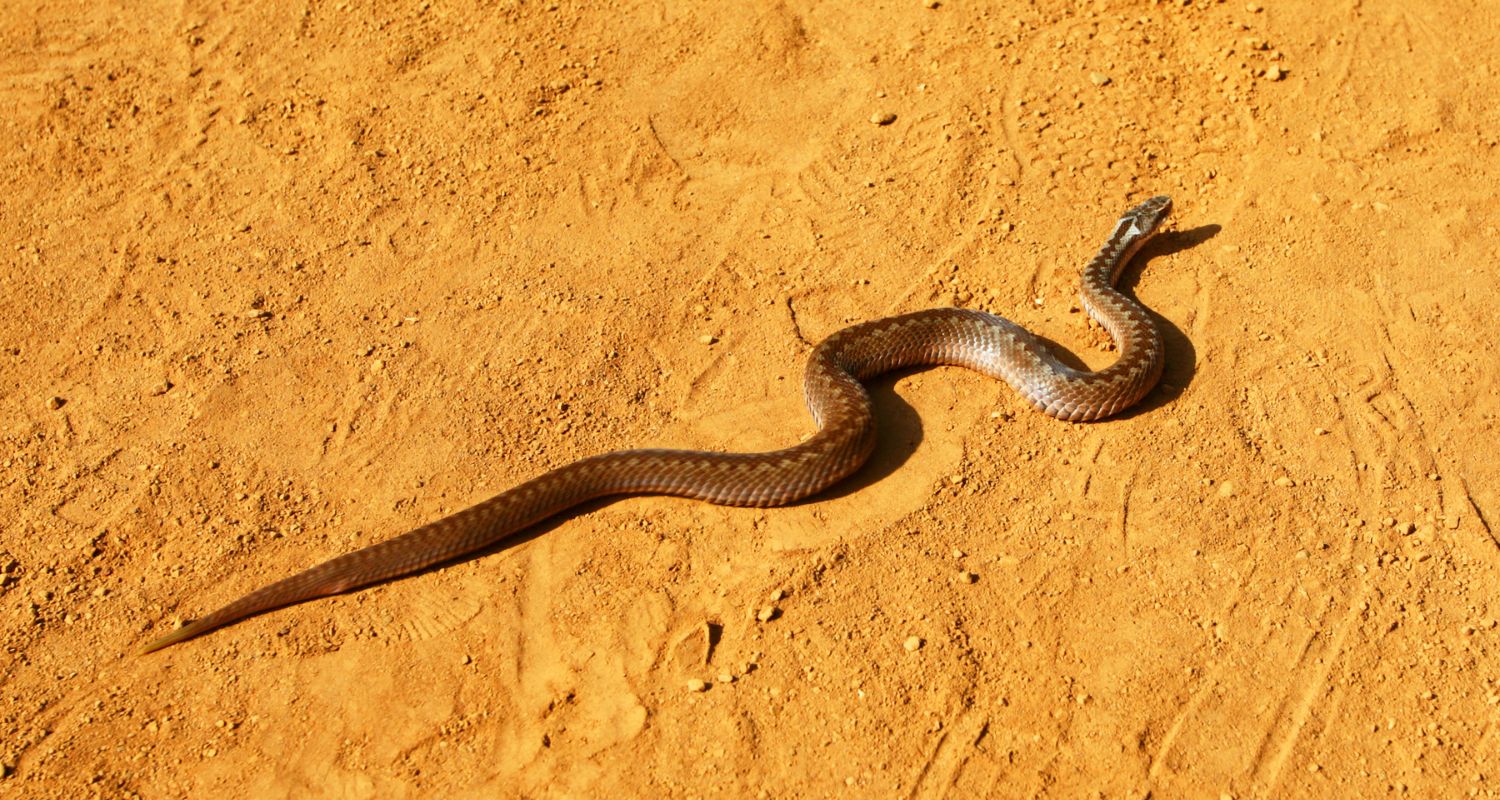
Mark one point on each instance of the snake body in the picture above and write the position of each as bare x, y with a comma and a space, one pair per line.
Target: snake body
839, 404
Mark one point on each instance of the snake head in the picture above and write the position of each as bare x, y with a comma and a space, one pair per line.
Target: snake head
1148, 216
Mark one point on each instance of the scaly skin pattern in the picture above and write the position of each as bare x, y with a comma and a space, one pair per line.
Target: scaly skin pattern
839, 403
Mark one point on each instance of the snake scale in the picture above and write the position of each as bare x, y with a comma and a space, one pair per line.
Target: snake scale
839, 404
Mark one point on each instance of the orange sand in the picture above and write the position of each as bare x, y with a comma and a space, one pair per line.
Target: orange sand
299, 277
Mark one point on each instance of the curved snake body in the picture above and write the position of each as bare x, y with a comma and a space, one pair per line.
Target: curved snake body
838, 401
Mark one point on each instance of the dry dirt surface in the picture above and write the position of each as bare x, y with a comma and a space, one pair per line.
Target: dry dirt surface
282, 280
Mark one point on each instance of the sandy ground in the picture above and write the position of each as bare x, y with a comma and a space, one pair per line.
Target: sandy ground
281, 283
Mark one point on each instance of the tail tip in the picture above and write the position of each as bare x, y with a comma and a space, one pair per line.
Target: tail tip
160, 642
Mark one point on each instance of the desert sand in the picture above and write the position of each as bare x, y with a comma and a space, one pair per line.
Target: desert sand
283, 280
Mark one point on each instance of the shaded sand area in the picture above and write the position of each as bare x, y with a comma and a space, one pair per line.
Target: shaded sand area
281, 282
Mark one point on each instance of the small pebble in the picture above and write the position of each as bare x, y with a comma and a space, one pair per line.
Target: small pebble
725, 677
768, 613
1099, 78
696, 685
707, 339
1275, 72
161, 388
1320, 198
913, 644
55, 403
882, 118
931, 3
1283, 481
1320, 431
967, 577
777, 595
1226, 489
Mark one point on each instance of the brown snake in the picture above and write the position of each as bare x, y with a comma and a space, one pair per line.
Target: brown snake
839, 404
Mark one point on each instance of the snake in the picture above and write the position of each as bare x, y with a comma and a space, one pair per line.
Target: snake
833, 385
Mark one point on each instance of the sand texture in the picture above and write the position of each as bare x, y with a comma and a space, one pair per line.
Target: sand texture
279, 280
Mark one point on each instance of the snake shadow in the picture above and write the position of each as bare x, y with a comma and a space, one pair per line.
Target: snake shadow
1181, 355
900, 426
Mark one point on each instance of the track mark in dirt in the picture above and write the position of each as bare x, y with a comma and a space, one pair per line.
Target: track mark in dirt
920, 151
103, 490
1307, 685
1274, 708
939, 773
1199, 327
1094, 444
825, 194
1010, 122
1205, 689
919, 292
1122, 519
535, 652
662, 146
436, 611
1338, 62
1483, 518
705, 374
791, 312
1489, 549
